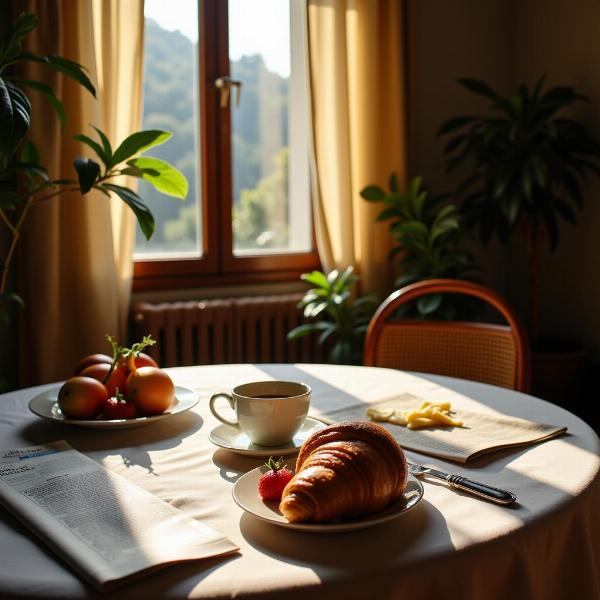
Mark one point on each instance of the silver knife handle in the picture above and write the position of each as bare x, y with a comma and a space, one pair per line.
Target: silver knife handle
479, 489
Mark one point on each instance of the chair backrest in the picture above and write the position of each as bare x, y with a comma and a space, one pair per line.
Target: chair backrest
496, 354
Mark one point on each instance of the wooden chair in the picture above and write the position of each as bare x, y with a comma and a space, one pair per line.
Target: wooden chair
496, 354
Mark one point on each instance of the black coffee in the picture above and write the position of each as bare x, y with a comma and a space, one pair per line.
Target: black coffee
271, 396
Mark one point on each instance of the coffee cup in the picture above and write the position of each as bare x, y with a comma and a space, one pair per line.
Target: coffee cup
270, 413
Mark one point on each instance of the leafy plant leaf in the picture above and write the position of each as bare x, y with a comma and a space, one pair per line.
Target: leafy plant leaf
5, 299
142, 212
332, 277
445, 212
411, 227
345, 280
389, 213
105, 145
30, 168
48, 93
306, 329
429, 304
101, 189
314, 309
162, 176
95, 146
16, 298
68, 67
134, 172
372, 193
414, 185
478, 87
87, 172
138, 142
24, 23
316, 278
341, 353
328, 331
15, 111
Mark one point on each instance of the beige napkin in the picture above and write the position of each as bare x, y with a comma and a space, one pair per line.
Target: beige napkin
482, 433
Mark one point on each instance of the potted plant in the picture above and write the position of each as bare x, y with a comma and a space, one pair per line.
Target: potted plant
525, 165
430, 242
343, 322
24, 181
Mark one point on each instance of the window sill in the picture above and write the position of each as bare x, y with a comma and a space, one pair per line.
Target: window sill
221, 290
169, 282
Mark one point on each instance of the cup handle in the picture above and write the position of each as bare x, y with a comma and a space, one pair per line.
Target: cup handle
213, 410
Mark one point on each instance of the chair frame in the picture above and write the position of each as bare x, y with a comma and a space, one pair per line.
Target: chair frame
454, 286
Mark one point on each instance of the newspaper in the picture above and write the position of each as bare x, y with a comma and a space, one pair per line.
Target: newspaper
481, 434
108, 529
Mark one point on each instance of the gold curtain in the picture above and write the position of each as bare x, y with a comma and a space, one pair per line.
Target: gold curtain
357, 75
75, 265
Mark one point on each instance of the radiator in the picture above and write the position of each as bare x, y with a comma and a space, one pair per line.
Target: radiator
233, 330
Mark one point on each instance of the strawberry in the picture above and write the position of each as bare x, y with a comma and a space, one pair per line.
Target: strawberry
117, 407
271, 483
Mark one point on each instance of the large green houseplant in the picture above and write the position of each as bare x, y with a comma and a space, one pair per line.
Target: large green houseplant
24, 182
430, 242
523, 166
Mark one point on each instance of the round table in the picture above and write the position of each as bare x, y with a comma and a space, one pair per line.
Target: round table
450, 545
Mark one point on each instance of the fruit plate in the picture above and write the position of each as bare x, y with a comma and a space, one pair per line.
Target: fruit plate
45, 405
245, 494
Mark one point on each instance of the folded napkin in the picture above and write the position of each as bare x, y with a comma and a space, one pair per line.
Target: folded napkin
482, 432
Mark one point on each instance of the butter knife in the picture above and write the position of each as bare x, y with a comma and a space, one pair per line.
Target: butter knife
458, 482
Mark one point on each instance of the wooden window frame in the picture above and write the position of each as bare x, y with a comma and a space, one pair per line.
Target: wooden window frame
218, 265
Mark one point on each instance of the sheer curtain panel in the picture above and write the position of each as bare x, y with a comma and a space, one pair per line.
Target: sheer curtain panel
357, 77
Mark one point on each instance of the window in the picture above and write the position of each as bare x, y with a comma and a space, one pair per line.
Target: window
228, 79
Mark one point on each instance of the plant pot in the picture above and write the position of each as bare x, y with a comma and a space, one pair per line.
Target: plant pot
557, 372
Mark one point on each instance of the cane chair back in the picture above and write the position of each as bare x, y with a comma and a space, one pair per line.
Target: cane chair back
490, 353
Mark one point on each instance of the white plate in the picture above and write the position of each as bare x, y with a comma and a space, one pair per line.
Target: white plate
245, 494
234, 439
45, 405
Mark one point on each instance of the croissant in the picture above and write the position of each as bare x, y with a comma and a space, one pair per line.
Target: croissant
345, 470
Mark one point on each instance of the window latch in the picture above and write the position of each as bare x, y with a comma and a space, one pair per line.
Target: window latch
224, 85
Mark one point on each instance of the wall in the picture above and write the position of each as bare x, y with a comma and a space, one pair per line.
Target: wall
450, 40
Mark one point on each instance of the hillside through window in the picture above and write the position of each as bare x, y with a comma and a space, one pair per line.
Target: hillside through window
247, 161
171, 104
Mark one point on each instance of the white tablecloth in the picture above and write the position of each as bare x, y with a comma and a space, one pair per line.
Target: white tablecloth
450, 545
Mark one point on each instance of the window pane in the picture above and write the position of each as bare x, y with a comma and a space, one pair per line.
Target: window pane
271, 203
171, 104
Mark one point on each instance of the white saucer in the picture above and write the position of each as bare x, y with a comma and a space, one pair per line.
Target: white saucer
245, 494
234, 439
45, 405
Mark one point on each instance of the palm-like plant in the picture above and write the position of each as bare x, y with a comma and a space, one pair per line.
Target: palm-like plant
343, 322
525, 166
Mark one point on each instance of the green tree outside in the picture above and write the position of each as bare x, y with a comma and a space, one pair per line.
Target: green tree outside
260, 211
